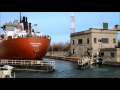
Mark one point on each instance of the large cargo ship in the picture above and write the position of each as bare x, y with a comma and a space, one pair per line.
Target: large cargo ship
20, 42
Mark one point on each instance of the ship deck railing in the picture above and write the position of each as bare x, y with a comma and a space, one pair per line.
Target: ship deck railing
28, 63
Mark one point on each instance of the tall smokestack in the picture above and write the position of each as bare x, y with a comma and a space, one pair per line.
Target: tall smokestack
26, 19
26, 24
30, 27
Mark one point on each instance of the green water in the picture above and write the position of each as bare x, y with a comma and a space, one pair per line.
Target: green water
67, 69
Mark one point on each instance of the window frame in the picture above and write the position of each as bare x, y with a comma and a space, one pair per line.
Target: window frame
114, 40
80, 41
88, 40
95, 40
112, 54
103, 40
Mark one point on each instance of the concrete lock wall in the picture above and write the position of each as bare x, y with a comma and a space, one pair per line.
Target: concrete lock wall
118, 55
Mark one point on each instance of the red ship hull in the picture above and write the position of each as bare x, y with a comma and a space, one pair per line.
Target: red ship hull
29, 48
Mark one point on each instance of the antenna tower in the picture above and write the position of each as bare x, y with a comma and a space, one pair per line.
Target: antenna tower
72, 19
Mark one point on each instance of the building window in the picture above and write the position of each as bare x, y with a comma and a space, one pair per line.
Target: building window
79, 41
112, 54
73, 51
73, 42
88, 41
105, 40
101, 54
95, 40
114, 40
99, 40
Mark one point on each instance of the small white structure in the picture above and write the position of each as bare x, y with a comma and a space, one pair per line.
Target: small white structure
5, 71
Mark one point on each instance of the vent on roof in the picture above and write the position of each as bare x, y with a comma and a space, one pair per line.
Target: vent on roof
105, 26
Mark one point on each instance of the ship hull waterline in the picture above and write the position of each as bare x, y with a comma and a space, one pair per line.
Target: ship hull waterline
29, 48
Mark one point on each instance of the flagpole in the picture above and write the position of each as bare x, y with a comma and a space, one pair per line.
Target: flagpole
119, 18
36, 27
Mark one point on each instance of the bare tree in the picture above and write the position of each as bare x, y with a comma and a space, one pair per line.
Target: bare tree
60, 46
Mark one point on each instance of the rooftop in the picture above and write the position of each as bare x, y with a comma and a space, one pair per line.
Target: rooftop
95, 30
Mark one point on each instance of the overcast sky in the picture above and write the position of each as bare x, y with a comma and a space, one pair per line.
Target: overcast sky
57, 24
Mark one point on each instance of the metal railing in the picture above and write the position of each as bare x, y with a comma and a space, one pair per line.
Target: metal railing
28, 62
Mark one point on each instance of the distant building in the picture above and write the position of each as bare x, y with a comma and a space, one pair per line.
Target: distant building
95, 41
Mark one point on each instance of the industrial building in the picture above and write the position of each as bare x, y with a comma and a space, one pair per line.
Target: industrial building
96, 41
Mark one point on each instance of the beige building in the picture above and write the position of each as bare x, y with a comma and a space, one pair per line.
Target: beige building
102, 42
111, 54
96, 41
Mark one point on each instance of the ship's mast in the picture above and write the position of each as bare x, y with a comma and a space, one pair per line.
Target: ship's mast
20, 17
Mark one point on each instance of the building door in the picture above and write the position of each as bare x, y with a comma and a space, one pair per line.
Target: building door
73, 51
